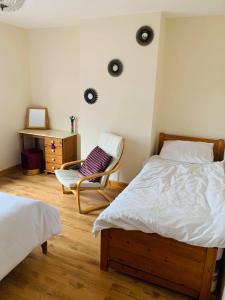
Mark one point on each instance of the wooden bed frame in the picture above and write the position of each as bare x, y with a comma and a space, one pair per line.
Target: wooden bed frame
166, 262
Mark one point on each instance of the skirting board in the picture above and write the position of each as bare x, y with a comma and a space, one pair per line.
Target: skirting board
117, 184
7, 171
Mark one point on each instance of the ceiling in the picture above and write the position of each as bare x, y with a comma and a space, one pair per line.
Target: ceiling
54, 13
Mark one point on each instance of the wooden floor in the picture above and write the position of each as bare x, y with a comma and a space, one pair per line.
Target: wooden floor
70, 271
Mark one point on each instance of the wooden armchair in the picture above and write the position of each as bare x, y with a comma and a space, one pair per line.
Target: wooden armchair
73, 182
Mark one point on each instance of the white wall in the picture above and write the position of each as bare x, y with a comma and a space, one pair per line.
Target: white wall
14, 91
54, 72
158, 87
186, 57
60, 57
191, 85
174, 85
192, 89
125, 104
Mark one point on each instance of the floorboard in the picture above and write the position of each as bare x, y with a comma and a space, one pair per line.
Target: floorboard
70, 271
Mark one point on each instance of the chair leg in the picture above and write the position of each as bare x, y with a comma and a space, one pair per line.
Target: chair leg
63, 189
106, 197
93, 208
89, 209
66, 191
77, 198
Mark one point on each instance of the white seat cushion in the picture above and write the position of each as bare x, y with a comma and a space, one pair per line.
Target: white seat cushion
69, 178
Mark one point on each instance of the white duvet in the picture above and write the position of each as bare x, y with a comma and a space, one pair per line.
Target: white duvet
178, 200
24, 225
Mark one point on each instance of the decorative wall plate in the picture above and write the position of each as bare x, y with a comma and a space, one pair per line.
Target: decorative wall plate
90, 96
115, 67
145, 35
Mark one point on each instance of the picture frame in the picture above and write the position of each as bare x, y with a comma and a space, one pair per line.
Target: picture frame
37, 118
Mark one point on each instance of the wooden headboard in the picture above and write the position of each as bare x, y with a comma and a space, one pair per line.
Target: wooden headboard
218, 148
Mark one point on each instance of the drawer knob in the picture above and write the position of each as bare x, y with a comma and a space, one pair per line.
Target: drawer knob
53, 145
53, 159
53, 168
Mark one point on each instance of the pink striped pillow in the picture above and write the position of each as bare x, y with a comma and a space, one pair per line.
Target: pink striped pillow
97, 161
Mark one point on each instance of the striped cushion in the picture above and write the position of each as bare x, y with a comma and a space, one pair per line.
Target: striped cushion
96, 162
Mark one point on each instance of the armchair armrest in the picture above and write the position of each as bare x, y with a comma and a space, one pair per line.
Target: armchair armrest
71, 163
109, 172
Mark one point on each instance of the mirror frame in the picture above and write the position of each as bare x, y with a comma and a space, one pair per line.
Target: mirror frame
27, 123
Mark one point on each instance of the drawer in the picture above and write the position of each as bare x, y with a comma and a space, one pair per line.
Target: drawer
51, 167
56, 159
57, 151
57, 142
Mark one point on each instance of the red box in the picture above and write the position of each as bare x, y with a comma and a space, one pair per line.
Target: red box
32, 159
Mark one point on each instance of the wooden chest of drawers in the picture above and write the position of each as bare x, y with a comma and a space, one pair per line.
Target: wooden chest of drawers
59, 151
60, 146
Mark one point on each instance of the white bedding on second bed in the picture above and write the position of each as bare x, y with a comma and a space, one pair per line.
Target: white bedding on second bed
178, 200
24, 225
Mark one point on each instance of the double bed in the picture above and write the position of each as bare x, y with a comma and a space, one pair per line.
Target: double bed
24, 225
167, 225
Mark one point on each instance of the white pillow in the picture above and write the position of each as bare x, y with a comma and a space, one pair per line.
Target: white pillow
185, 151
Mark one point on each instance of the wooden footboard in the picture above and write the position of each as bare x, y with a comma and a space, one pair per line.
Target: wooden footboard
178, 266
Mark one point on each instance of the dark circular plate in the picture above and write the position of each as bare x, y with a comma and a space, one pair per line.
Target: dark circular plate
145, 35
115, 67
90, 96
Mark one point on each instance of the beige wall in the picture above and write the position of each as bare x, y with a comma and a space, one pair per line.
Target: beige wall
125, 104
191, 83
192, 89
54, 72
60, 58
14, 91
174, 85
158, 90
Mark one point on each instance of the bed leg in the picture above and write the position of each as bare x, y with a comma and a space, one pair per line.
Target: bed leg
104, 250
44, 247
